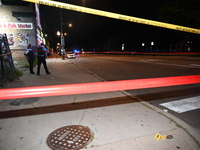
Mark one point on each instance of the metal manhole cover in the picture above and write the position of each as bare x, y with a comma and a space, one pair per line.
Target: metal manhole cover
72, 137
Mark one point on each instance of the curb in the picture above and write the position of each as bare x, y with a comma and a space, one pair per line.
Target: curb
195, 135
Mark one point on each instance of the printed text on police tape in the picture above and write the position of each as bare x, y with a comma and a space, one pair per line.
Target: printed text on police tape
114, 15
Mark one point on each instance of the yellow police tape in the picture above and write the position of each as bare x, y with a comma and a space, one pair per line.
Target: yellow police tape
114, 15
6, 54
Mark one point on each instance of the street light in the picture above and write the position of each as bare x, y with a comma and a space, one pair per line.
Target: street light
62, 42
58, 33
151, 48
143, 44
58, 44
62, 34
122, 47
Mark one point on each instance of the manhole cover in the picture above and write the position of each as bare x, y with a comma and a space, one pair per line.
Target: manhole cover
72, 137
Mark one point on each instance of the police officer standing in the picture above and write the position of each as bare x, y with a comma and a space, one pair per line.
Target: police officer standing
42, 53
30, 56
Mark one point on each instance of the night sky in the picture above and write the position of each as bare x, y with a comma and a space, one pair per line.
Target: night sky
92, 32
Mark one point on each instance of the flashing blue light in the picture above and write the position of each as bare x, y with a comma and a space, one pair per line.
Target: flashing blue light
76, 51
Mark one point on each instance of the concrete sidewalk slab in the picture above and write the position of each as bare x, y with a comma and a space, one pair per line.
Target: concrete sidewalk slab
147, 142
117, 120
123, 126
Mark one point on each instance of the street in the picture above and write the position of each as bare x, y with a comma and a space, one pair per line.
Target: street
118, 120
115, 67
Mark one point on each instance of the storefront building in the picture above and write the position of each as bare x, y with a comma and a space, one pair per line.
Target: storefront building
20, 21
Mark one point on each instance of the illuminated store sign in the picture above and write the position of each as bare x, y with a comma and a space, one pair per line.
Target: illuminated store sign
16, 25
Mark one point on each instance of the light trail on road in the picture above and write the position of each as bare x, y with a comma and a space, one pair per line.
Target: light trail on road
96, 87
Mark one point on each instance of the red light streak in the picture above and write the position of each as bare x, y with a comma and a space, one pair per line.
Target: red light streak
96, 87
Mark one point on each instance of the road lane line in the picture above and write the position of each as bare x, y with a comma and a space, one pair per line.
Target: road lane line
197, 65
183, 105
177, 65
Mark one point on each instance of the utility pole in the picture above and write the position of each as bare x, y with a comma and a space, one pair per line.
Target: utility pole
62, 42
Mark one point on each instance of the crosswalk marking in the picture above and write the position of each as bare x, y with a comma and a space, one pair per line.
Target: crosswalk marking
183, 105
178, 65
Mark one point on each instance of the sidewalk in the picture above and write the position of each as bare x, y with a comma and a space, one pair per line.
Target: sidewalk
118, 121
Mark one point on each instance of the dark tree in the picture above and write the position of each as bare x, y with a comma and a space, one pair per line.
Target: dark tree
184, 13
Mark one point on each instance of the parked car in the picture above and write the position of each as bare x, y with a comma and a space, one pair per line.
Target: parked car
71, 55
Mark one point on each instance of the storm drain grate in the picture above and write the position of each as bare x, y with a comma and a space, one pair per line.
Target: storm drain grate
72, 137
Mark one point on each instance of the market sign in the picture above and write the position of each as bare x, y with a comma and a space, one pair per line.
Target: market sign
13, 25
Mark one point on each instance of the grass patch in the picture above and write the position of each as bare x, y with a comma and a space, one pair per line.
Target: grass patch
10, 75
26, 65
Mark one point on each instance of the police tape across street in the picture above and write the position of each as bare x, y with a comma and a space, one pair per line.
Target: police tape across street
115, 15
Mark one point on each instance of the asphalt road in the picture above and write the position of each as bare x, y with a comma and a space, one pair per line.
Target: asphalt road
118, 67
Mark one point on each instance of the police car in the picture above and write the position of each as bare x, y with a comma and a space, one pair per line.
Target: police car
71, 55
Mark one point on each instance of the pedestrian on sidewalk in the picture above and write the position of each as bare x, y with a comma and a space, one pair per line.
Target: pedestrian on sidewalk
30, 56
42, 54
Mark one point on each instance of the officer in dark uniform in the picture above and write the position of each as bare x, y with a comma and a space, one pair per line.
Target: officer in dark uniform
42, 53
30, 55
